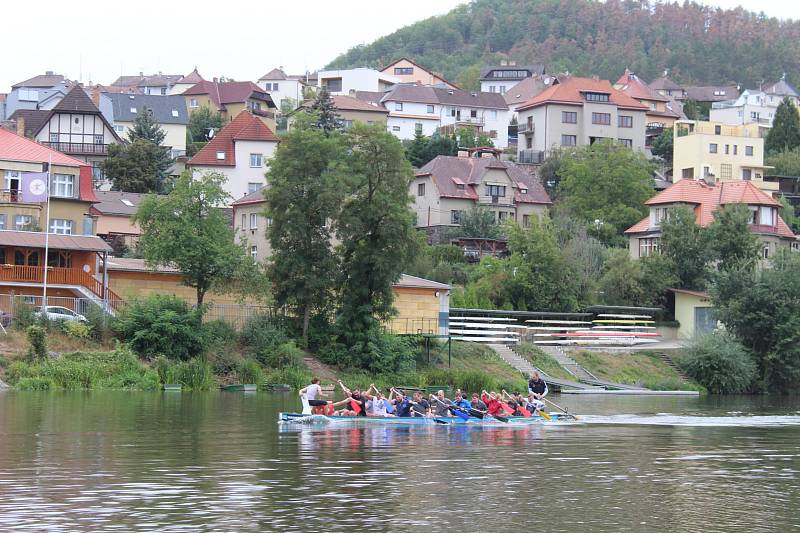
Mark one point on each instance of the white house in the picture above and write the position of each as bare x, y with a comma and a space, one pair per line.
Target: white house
499, 79
40, 92
281, 86
753, 105
240, 151
168, 111
429, 110
355, 79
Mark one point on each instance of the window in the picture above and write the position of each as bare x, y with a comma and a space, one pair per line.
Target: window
88, 225
244, 222
649, 247
53, 137
29, 95
267, 86
748, 150
274, 86
627, 143
253, 221
430, 108
254, 252
98, 139
133, 110
526, 221
727, 149
767, 216
418, 127
569, 140
706, 172
569, 117
256, 160
502, 89
625, 121
596, 97
118, 128
712, 148
492, 89
687, 173
725, 171
395, 128
747, 174
766, 251
754, 115
421, 189
717, 130
2, 222
496, 190
403, 71
529, 142
473, 113
494, 114
163, 91
23, 222
175, 113
193, 103
455, 216
253, 187
62, 185
735, 149
335, 85
601, 118
60, 226
220, 156
398, 106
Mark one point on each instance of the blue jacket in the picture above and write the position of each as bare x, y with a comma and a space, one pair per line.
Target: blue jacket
462, 404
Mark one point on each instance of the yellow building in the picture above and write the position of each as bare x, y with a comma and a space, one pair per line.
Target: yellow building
694, 312
723, 152
230, 98
410, 72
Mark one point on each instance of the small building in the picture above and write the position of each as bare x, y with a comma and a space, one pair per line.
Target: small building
169, 112
578, 112
702, 150
283, 87
40, 92
239, 151
660, 112
666, 87
250, 225
347, 81
754, 105
185, 83
423, 307
694, 313
154, 84
408, 71
705, 199
114, 211
229, 98
447, 187
352, 110
500, 78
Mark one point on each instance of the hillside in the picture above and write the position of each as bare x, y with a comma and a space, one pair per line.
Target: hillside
698, 44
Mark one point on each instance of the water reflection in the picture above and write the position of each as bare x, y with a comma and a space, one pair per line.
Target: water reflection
220, 462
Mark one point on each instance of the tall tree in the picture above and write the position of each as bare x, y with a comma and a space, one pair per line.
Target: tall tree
469, 78
786, 162
203, 124
785, 131
732, 242
188, 230
145, 127
478, 223
302, 199
418, 150
375, 228
441, 145
662, 146
688, 246
328, 119
606, 185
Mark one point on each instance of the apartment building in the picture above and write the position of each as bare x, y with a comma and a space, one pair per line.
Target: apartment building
348, 81
500, 78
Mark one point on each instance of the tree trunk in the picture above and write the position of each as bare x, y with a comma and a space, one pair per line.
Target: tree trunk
200, 295
306, 320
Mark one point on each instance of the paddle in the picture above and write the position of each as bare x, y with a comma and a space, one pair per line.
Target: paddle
482, 414
561, 408
521, 408
459, 413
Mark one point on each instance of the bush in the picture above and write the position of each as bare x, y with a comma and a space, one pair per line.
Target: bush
37, 337
226, 362
388, 353
194, 374
262, 333
98, 322
76, 329
720, 363
34, 384
296, 377
250, 372
161, 325
219, 335
286, 355
24, 316
3, 361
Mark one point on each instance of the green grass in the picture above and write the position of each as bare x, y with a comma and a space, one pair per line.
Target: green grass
644, 369
542, 361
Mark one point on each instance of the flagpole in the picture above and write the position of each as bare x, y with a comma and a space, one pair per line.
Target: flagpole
46, 237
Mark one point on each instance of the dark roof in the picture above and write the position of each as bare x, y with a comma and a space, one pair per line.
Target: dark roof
131, 264
528, 88
34, 119
111, 202
42, 80
245, 127
127, 81
34, 239
255, 197
162, 107
486, 72
274, 74
782, 88
151, 80
348, 103
76, 100
446, 172
436, 95
372, 97
230, 92
712, 93
664, 84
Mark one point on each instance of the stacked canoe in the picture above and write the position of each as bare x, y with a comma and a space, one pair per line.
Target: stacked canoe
485, 329
605, 330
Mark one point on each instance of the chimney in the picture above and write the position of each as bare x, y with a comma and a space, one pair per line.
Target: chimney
463, 153
215, 80
48, 73
141, 74
21, 126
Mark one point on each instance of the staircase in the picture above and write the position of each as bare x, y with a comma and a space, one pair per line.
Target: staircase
568, 363
670, 363
526, 368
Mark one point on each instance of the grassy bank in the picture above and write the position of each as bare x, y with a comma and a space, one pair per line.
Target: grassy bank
542, 361
633, 368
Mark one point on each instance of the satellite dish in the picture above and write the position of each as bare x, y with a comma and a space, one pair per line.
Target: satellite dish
211, 133
547, 81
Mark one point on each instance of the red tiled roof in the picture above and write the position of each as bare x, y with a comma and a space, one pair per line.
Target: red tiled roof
14, 147
708, 198
229, 92
35, 239
447, 171
192, 77
348, 103
569, 91
633, 86
245, 127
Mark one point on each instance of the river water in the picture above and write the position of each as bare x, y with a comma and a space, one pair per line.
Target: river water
117, 461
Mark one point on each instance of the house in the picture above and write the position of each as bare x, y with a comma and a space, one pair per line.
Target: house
666, 87
407, 71
526, 89
578, 112
352, 110
186, 82
423, 306
169, 112
705, 198
71, 193
282, 86
355, 79
230, 98
694, 313
154, 84
250, 225
114, 211
660, 113
727, 153
754, 105
41, 92
239, 151
707, 94
447, 187
429, 110
500, 78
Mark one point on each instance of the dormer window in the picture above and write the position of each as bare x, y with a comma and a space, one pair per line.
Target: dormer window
220, 156
175, 113
460, 185
523, 190
133, 110
596, 97
657, 215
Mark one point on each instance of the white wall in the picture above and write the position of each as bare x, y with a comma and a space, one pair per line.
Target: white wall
359, 79
242, 174
286, 89
499, 86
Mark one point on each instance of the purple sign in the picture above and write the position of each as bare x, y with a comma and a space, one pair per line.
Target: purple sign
34, 187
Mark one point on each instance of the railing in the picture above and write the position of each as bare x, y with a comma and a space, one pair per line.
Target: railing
763, 228
60, 276
526, 128
12, 196
415, 326
531, 157
78, 148
470, 120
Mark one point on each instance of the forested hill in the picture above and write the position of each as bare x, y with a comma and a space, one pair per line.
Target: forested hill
698, 44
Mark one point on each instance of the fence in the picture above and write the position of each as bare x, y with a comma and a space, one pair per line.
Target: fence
415, 326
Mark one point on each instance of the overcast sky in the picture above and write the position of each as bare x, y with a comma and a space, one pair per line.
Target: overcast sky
97, 40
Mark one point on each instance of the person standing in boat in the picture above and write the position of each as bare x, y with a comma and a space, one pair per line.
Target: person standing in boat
313, 393
537, 386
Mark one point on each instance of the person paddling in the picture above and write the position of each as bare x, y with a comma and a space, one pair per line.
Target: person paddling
420, 406
313, 392
440, 404
358, 400
494, 403
461, 402
402, 405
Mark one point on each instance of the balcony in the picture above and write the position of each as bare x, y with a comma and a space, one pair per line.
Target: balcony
763, 228
526, 128
470, 121
57, 276
78, 148
531, 157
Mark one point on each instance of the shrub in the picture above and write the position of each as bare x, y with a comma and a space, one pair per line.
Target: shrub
161, 325
34, 384
296, 377
3, 361
194, 374
250, 372
720, 363
98, 321
219, 335
262, 333
388, 353
37, 337
226, 362
76, 330
286, 355
24, 316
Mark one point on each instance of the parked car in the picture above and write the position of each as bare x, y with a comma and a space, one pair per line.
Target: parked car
55, 312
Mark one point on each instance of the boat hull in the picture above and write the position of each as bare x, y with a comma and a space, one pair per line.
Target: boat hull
417, 420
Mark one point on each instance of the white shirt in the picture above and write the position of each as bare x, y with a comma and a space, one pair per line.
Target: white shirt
378, 407
312, 391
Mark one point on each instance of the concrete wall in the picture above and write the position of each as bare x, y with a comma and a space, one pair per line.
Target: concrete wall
685, 305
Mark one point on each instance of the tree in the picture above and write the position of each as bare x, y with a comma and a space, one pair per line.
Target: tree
328, 119
478, 223
732, 242
484, 140
187, 229
549, 171
136, 167
466, 138
419, 150
786, 162
662, 146
691, 109
789, 214
785, 131
145, 127
469, 78
606, 184
302, 199
375, 227
621, 283
203, 122
687, 245
441, 145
